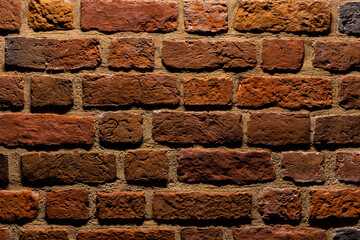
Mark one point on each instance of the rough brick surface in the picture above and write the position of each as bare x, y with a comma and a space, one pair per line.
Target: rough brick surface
11, 91
347, 166
120, 205
128, 234
209, 166
193, 233
10, 15
47, 15
135, 16
276, 129
67, 168
146, 166
70, 204
5, 234
52, 54
196, 55
203, 128
349, 92
44, 234
130, 89
284, 15
205, 17
201, 205
349, 18
286, 92
346, 233
4, 170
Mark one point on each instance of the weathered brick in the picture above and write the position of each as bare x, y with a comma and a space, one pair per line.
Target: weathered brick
334, 203
349, 92
346, 233
5, 234
10, 15
201, 205
52, 54
47, 91
70, 204
276, 129
283, 16
194, 233
204, 128
120, 205
11, 91
44, 234
282, 55
128, 53
128, 234
67, 168
45, 129
280, 204
347, 166
130, 89
303, 167
286, 92
205, 17
146, 166
47, 15
19, 206
196, 55
208, 91
349, 18
197, 165
4, 170
135, 16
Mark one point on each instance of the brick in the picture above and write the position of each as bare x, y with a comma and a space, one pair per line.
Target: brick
277, 129
286, 92
4, 170
205, 17
347, 165
203, 128
128, 53
47, 91
279, 233
194, 233
120, 205
45, 129
128, 234
48, 15
70, 204
5, 234
201, 205
303, 167
121, 128
346, 233
337, 129
11, 91
208, 91
52, 54
282, 204
225, 166
146, 166
130, 90
282, 55
334, 203
349, 92
336, 55
19, 206
349, 18
44, 234
10, 15
283, 16
130, 16
203, 55
67, 168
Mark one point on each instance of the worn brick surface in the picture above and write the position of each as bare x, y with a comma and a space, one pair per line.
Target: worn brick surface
347, 166
194, 233
11, 91
346, 233
349, 18
349, 92
44, 234
4, 170
128, 234
10, 15
5, 234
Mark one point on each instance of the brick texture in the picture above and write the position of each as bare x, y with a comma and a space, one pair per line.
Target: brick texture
4, 170
44, 234
10, 15
129, 234
11, 92
193, 233
5, 234
347, 165
349, 92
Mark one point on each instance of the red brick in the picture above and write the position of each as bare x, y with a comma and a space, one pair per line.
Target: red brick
201, 205
120, 205
5, 234
204, 128
208, 91
130, 89
44, 234
10, 15
303, 167
134, 16
193, 233
205, 17
11, 91
282, 55
128, 234
4, 170
286, 92
226, 166
276, 129
19, 206
128, 53
70, 204
347, 166
67, 168
52, 54
45, 129
349, 92
196, 55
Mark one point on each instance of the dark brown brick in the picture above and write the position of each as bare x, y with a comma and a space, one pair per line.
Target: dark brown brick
194, 233
4, 170
44, 234
11, 91
349, 92
128, 234
347, 166
10, 15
